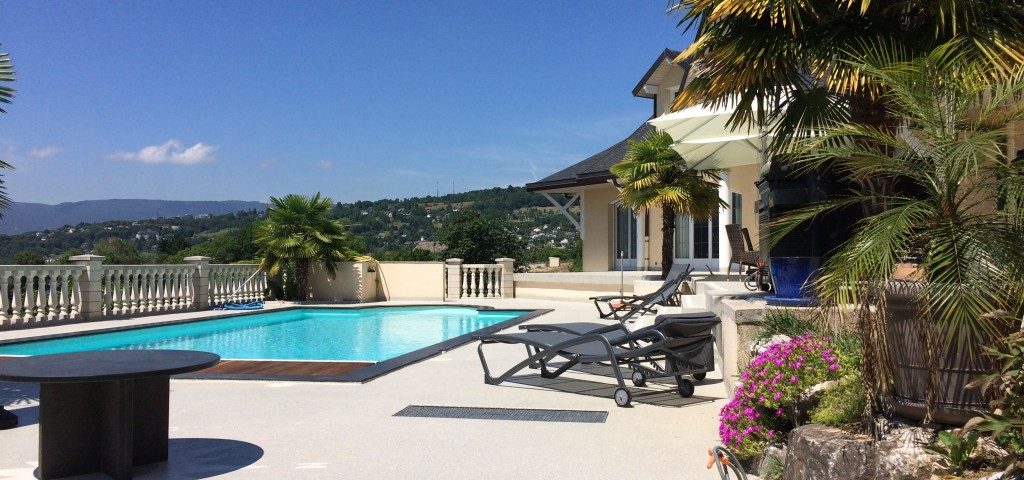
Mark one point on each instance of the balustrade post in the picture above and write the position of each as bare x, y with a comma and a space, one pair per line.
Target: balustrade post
90, 286
506, 284
453, 268
200, 282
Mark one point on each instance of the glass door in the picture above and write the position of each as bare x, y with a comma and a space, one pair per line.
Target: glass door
696, 239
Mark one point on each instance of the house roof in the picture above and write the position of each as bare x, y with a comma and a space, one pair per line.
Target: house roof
657, 71
592, 170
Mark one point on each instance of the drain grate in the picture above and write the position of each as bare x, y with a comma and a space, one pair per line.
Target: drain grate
515, 414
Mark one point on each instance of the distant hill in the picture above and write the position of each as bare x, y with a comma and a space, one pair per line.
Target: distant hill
390, 228
29, 217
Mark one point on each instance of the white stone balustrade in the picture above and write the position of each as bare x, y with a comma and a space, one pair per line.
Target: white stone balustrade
232, 283
490, 280
144, 289
39, 293
89, 290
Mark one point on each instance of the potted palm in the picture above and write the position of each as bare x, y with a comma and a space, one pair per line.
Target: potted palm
946, 195
652, 174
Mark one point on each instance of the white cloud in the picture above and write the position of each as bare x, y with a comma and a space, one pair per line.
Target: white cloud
268, 163
170, 152
43, 152
324, 164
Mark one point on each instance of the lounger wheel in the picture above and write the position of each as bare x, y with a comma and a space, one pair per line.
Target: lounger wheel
622, 397
639, 379
700, 376
685, 388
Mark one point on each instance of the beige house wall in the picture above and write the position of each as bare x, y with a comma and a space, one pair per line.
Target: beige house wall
741, 180
597, 221
667, 89
653, 244
410, 281
596, 203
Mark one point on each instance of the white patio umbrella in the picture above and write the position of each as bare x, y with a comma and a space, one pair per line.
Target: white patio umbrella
704, 140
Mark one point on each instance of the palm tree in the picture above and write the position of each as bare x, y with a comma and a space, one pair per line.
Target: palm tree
796, 54
653, 174
6, 94
962, 219
299, 233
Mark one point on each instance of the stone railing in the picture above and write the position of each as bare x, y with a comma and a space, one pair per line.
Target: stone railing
89, 290
492, 280
39, 293
143, 289
235, 283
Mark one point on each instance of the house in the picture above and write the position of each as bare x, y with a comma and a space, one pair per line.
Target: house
615, 237
147, 234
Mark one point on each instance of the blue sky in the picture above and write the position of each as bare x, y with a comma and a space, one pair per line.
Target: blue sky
358, 100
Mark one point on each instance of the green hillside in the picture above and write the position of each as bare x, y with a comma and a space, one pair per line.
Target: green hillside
388, 229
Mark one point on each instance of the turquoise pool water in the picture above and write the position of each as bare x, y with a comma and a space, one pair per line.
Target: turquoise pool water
372, 334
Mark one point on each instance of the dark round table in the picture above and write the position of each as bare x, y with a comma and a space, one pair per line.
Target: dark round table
103, 411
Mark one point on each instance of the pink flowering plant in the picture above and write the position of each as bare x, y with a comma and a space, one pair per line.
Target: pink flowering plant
762, 410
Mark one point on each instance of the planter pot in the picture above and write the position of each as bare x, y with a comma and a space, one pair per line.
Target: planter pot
792, 278
906, 325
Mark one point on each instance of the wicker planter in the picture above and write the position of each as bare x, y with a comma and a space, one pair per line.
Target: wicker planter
905, 328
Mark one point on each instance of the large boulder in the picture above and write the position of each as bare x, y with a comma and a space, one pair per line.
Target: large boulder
817, 452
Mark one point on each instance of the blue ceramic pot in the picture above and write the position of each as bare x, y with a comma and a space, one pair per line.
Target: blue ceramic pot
792, 277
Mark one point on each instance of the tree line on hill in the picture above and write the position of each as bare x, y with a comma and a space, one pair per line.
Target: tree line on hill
477, 226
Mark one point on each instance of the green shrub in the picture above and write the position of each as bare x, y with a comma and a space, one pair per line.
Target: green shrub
1005, 423
841, 404
955, 450
762, 408
785, 322
772, 468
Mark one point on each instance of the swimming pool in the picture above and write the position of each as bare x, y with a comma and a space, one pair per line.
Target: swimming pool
371, 334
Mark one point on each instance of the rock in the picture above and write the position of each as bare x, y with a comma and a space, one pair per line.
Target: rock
989, 452
905, 432
817, 452
775, 453
810, 399
758, 347
901, 462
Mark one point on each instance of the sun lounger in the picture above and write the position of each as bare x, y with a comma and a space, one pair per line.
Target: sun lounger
675, 345
624, 307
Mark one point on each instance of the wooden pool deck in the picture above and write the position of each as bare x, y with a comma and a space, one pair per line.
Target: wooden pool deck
284, 367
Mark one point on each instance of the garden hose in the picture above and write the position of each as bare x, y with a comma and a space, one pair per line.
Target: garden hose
725, 461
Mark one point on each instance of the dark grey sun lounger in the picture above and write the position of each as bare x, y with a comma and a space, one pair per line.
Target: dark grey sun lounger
624, 307
675, 345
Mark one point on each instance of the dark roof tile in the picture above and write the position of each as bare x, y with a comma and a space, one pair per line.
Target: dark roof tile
593, 169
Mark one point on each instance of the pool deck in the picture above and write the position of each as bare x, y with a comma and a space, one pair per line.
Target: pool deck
296, 430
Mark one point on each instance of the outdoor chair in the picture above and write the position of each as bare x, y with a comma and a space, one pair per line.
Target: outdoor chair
675, 345
624, 307
743, 253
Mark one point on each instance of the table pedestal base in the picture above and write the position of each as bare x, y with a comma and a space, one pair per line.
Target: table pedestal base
102, 426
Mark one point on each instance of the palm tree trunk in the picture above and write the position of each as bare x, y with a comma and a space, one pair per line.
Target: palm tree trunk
302, 278
668, 231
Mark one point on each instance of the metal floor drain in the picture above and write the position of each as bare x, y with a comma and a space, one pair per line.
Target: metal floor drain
514, 414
